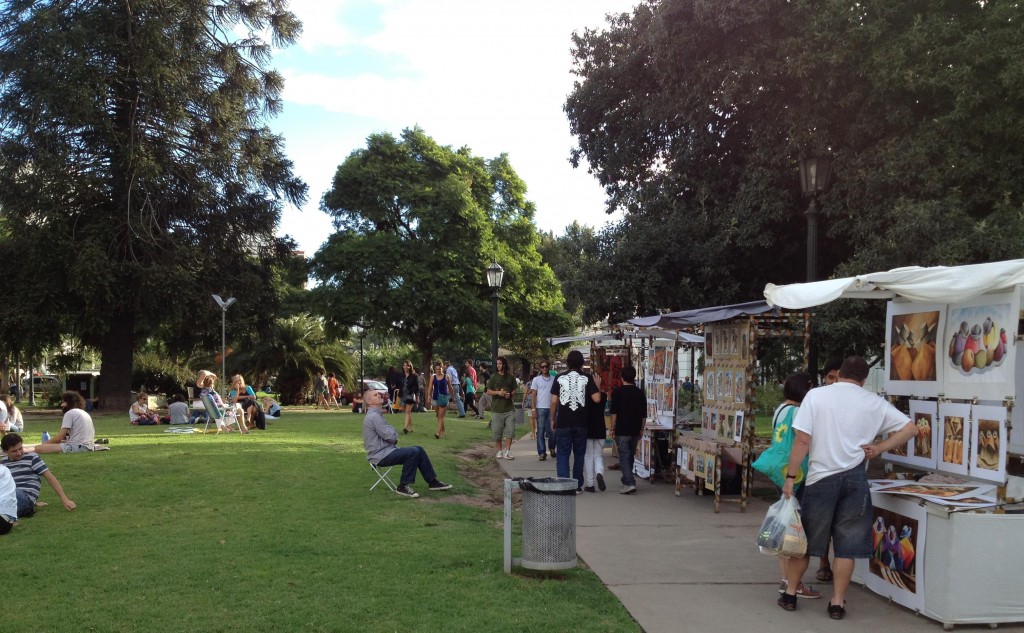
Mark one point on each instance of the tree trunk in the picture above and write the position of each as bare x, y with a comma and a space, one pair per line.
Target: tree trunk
118, 350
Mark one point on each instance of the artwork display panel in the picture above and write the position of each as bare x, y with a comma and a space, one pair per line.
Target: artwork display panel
979, 358
988, 443
922, 449
911, 339
738, 428
954, 426
896, 567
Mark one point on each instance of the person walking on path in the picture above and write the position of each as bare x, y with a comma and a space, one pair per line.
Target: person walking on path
569, 397
502, 389
380, 440
320, 389
540, 392
469, 388
597, 433
453, 380
836, 428
440, 389
629, 412
409, 394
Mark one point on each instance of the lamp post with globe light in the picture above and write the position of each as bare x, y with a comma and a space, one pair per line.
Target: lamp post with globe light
495, 276
224, 305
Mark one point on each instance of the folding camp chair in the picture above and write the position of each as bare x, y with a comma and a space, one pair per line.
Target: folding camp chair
216, 415
382, 476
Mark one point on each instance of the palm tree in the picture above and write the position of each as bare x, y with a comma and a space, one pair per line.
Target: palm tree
296, 348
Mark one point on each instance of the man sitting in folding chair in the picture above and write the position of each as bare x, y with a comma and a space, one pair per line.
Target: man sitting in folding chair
381, 439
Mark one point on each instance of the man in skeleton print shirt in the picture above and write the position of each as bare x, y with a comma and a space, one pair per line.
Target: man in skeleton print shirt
569, 397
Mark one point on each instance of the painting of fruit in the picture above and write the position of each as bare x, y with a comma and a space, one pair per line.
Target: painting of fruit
978, 341
912, 352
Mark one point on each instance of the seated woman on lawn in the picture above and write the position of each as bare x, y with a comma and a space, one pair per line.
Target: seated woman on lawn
271, 408
139, 412
14, 422
244, 399
205, 380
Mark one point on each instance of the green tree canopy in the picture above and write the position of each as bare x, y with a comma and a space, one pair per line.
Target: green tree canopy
133, 147
416, 225
694, 115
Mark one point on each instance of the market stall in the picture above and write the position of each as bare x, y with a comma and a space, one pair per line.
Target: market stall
726, 431
951, 359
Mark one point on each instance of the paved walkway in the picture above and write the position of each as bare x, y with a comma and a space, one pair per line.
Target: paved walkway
678, 566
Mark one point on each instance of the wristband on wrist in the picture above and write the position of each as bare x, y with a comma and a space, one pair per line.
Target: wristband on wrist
788, 476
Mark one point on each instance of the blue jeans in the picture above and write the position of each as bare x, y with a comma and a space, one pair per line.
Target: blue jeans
627, 453
544, 435
411, 458
458, 401
574, 439
26, 506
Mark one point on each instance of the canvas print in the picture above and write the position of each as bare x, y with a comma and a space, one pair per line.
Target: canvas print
709, 386
734, 342
922, 449
937, 491
739, 386
912, 335
658, 366
988, 445
954, 436
895, 569
727, 389
979, 356
709, 471
744, 347
698, 465
738, 428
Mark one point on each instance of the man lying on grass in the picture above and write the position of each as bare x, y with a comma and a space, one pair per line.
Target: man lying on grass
27, 468
380, 439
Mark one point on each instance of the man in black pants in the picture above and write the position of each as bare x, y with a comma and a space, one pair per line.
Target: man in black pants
629, 410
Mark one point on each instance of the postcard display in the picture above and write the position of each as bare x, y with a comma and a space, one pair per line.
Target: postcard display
946, 558
660, 382
726, 420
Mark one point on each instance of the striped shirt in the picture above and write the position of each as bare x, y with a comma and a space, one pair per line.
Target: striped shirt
26, 472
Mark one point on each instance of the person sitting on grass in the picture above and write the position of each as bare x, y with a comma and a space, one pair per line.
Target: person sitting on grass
14, 422
380, 440
139, 412
8, 501
271, 408
27, 468
77, 433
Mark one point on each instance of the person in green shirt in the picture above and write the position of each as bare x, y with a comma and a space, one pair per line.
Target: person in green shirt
502, 389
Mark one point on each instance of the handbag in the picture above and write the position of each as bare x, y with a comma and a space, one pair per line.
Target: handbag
442, 400
775, 460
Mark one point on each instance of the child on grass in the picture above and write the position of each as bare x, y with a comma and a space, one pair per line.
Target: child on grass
27, 468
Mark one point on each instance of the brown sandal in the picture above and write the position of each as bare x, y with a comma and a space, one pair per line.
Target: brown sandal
824, 574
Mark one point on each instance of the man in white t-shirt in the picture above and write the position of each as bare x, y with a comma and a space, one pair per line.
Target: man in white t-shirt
836, 426
77, 433
540, 396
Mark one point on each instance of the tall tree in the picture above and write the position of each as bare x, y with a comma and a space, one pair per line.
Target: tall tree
133, 143
693, 116
416, 225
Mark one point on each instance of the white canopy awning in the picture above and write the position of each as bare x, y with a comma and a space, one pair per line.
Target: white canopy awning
938, 284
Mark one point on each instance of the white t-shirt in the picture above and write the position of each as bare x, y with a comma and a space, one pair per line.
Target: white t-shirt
81, 430
3, 414
542, 384
8, 495
841, 419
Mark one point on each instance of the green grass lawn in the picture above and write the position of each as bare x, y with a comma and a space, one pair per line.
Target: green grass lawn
275, 531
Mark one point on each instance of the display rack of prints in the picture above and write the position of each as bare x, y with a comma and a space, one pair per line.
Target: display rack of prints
661, 385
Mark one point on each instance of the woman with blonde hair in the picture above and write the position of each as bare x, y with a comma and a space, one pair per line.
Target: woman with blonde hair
243, 398
205, 380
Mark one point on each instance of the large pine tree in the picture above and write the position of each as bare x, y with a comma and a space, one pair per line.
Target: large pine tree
133, 145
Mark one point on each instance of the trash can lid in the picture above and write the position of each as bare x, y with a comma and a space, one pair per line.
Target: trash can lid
550, 485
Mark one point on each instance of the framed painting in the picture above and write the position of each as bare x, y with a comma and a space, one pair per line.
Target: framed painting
922, 450
912, 334
896, 567
988, 443
738, 428
979, 351
954, 437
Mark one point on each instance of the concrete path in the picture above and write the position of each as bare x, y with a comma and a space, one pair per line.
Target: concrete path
678, 566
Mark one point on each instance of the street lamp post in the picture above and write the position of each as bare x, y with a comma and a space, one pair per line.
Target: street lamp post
361, 331
495, 275
224, 305
815, 174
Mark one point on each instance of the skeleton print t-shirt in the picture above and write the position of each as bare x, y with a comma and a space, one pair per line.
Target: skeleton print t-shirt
573, 389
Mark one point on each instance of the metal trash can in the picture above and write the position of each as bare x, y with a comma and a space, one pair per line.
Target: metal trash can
549, 523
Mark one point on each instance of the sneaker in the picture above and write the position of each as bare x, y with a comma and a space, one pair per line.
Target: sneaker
542, 456
508, 455
499, 455
406, 491
787, 602
627, 490
600, 482
553, 453
589, 489
803, 591
439, 485
579, 491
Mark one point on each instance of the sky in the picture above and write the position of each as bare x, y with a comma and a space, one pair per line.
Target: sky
491, 76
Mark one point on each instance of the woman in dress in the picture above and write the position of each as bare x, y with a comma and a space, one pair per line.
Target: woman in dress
410, 393
440, 389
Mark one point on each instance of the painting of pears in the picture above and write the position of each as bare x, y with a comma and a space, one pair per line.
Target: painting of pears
978, 340
912, 355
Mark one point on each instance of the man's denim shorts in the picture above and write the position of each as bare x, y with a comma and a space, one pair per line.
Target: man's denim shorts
839, 507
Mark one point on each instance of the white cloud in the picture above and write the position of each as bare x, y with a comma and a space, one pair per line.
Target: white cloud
491, 76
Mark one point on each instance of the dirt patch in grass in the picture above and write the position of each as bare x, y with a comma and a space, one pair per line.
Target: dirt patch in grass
477, 464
